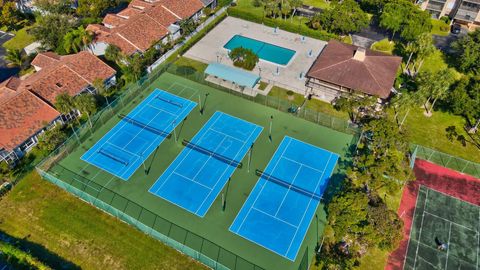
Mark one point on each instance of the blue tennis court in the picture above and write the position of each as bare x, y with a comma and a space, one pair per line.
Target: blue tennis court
278, 212
201, 170
126, 146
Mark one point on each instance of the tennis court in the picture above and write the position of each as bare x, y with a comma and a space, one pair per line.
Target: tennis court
126, 146
199, 173
445, 233
280, 208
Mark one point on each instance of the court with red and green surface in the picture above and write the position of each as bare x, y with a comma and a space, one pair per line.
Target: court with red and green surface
202, 230
441, 214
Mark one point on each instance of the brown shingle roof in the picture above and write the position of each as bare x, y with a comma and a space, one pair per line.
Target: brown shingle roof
161, 15
374, 75
21, 116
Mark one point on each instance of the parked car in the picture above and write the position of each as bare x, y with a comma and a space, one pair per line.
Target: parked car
456, 28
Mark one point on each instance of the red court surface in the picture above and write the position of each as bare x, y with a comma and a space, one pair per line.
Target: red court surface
441, 179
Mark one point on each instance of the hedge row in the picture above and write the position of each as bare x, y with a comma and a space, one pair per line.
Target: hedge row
284, 25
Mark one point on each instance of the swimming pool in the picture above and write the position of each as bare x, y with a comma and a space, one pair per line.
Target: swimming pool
265, 51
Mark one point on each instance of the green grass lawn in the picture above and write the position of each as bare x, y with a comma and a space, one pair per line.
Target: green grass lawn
440, 28
430, 132
298, 24
197, 65
384, 46
43, 214
262, 85
313, 104
20, 40
323, 4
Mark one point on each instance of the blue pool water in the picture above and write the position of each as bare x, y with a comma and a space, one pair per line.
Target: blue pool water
265, 51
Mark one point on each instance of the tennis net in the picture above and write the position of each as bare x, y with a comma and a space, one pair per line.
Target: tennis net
178, 104
144, 126
113, 157
212, 154
285, 184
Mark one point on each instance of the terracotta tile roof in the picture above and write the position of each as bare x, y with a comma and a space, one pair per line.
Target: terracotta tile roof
113, 20
161, 16
374, 75
145, 23
45, 59
182, 8
129, 12
71, 74
140, 4
9, 88
22, 116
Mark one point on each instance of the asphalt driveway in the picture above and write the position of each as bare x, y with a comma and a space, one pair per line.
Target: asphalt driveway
5, 71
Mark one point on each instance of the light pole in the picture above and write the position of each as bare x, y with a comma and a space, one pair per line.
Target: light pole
270, 129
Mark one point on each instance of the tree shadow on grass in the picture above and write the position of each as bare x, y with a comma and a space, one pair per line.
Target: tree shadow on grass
186, 70
38, 251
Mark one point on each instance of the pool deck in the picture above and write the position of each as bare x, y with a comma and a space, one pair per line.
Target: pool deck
210, 49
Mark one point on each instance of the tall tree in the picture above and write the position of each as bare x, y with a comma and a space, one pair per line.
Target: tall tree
433, 86
133, 70
64, 103
416, 23
355, 105
51, 139
87, 104
393, 16
15, 57
418, 50
54, 6
468, 52
402, 103
51, 28
335, 19
464, 100
381, 160
94, 8
76, 40
113, 53
10, 16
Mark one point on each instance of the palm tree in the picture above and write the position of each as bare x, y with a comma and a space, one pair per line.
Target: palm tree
15, 57
418, 50
64, 103
285, 8
77, 39
404, 102
295, 4
87, 104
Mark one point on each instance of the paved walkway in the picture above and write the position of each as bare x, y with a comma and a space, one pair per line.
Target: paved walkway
210, 49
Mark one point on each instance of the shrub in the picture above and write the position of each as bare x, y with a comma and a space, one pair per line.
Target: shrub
244, 58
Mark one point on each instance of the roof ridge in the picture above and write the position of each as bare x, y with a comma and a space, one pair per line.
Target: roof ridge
174, 14
41, 99
79, 75
124, 38
333, 65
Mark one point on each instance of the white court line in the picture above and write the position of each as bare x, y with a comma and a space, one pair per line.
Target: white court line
421, 228
411, 226
309, 202
184, 157
447, 220
184, 87
448, 244
227, 167
124, 150
274, 217
208, 159
286, 194
261, 190
191, 180
228, 136
304, 165
161, 110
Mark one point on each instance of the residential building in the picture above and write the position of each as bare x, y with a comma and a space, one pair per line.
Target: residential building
464, 12
144, 23
343, 68
27, 107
